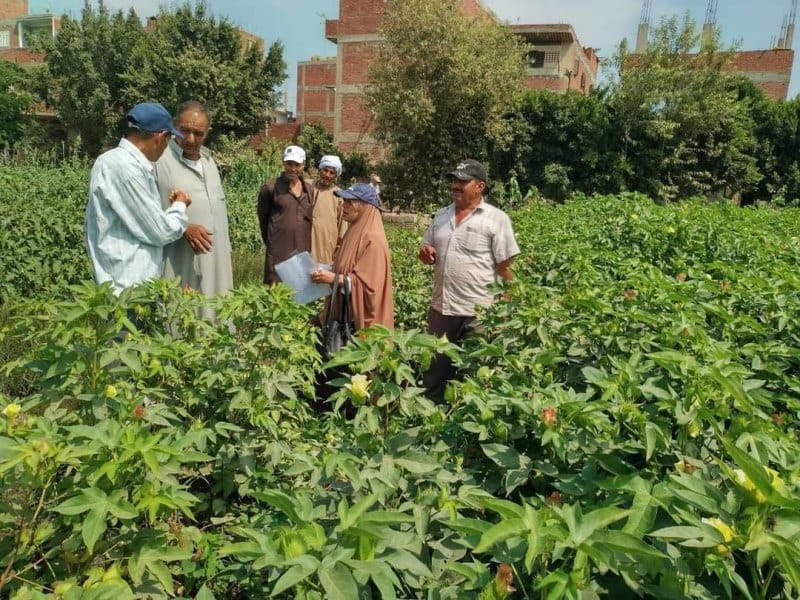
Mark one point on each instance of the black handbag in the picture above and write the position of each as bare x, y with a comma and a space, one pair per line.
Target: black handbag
338, 328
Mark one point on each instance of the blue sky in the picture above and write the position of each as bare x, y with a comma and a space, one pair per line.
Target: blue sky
300, 24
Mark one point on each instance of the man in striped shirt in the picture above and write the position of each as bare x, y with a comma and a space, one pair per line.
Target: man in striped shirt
126, 228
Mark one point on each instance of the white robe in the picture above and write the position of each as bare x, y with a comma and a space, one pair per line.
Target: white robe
210, 273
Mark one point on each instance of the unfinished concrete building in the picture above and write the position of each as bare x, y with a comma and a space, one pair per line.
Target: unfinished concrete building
769, 69
330, 90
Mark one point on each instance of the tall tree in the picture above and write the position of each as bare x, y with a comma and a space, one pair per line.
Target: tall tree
15, 100
777, 132
682, 129
442, 83
189, 53
569, 133
85, 64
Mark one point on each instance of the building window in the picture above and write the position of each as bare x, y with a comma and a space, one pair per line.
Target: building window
5, 39
551, 58
536, 59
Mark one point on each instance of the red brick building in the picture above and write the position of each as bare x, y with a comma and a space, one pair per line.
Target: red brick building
18, 30
768, 69
330, 90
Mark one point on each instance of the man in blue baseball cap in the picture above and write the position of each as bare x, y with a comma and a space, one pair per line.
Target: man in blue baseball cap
126, 228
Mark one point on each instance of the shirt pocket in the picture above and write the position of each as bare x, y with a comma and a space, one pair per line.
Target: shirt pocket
476, 240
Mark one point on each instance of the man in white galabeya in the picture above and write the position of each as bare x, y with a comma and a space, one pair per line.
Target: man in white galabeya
201, 258
471, 245
126, 228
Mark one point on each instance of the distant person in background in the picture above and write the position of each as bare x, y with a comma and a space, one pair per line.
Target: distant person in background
363, 258
202, 257
471, 245
375, 182
328, 225
126, 227
286, 212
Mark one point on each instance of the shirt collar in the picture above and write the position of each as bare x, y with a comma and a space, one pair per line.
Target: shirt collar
481, 205
129, 147
178, 151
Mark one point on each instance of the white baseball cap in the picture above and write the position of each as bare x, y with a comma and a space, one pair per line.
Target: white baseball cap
294, 154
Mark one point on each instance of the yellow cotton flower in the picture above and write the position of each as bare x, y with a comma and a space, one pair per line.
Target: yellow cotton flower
743, 480
110, 392
358, 386
721, 526
776, 481
11, 411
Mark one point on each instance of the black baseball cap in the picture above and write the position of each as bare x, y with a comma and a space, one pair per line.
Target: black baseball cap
469, 169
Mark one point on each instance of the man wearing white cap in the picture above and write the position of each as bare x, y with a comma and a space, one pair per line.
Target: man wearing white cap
126, 228
285, 212
329, 226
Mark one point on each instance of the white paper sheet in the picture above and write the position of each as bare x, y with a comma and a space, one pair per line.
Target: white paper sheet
295, 272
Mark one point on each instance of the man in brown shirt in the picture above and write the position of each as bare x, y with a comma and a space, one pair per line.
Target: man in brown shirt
285, 212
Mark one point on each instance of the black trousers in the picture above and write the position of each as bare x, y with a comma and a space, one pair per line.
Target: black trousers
441, 371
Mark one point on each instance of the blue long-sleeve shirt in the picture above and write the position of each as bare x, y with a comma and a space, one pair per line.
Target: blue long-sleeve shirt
126, 228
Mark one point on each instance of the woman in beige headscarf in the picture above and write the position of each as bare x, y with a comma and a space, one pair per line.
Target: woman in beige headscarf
363, 257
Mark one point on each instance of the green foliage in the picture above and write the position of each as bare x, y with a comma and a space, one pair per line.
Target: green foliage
15, 100
316, 141
41, 230
441, 86
356, 166
570, 133
626, 424
102, 64
681, 130
189, 54
86, 63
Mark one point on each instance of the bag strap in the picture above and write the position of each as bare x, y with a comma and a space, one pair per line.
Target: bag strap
333, 297
346, 307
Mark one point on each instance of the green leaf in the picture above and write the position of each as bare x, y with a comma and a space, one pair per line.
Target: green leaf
788, 555
597, 519
283, 502
338, 582
500, 532
402, 560
620, 541
204, 594
642, 514
294, 575
94, 525
679, 532
161, 572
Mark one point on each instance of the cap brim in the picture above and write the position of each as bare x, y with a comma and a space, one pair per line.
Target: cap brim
175, 132
460, 175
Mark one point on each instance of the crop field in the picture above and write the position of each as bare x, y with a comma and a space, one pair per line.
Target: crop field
626, 426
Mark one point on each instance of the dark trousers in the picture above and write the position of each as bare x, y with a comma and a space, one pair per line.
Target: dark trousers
442, 370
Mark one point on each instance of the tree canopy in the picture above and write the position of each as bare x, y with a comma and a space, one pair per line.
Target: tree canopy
682, 130
104, 63
15, 100
442, 83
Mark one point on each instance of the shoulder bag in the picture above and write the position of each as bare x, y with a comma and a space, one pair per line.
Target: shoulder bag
338, 328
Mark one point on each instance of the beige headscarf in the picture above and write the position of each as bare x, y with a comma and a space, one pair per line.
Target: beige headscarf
364, 257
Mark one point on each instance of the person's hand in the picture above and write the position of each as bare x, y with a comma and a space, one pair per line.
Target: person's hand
427, 254
322, 276
199, 238
179, 196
